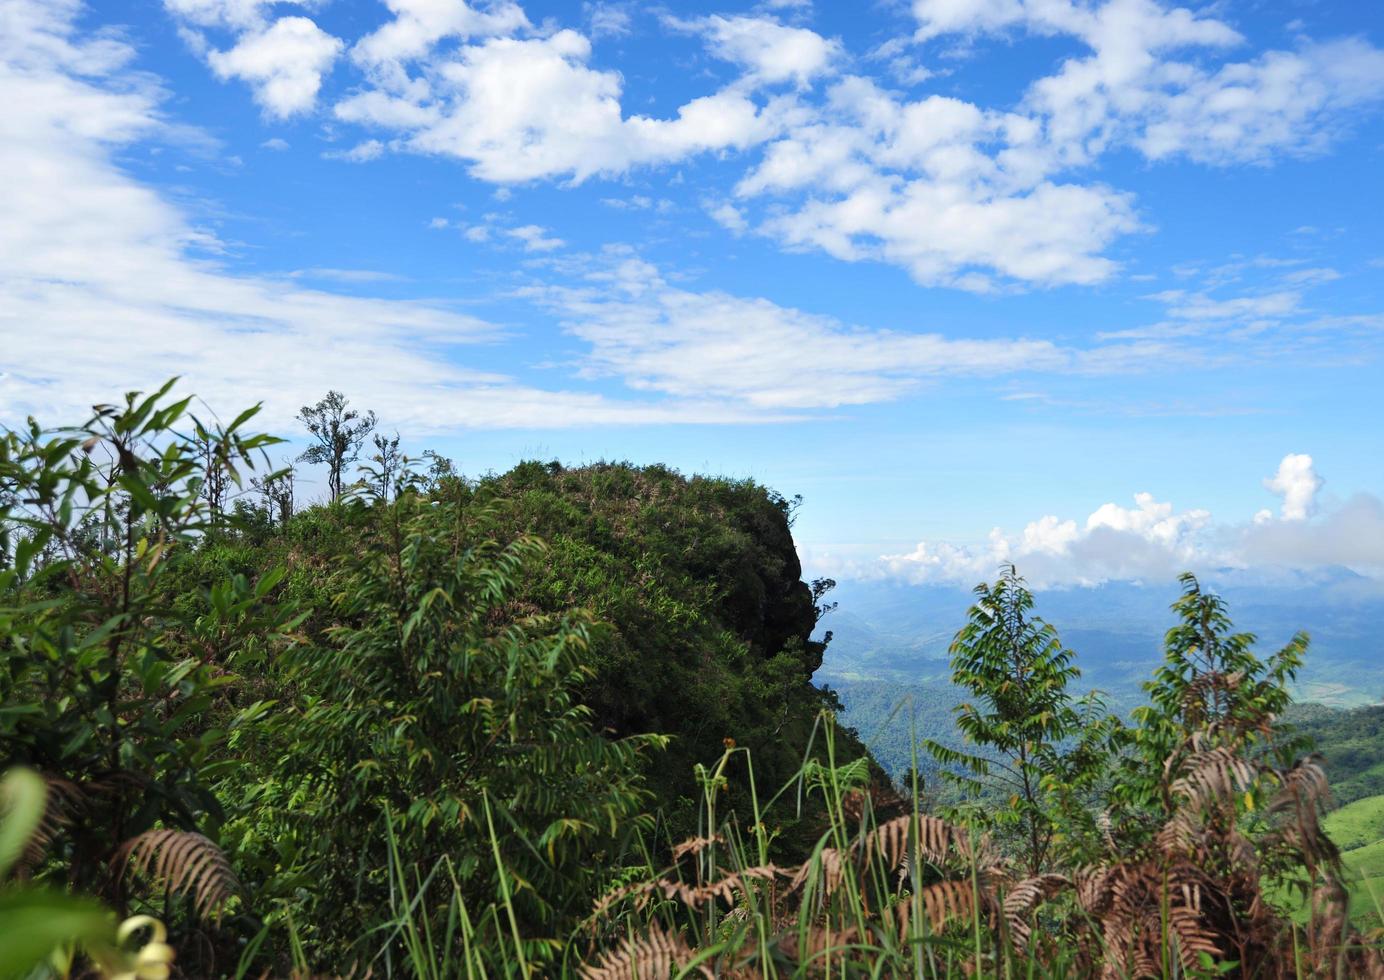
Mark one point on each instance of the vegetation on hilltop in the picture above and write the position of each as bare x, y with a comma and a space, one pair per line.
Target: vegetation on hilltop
561, 722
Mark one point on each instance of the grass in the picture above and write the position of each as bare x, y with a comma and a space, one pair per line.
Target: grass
1357, 824
848, 919
1358, 830
1365, 871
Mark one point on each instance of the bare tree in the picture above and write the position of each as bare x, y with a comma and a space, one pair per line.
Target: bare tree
339, 432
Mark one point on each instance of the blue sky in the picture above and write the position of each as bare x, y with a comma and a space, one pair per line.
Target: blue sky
968, 276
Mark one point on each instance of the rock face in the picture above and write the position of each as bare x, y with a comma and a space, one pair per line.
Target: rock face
705, 620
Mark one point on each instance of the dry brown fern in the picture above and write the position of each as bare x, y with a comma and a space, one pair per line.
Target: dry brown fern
1212, 776
942, 903
63, 801
655, 955
695, 845
186, 863
1023, 898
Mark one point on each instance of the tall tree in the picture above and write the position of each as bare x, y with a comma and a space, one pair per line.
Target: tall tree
1036, 742
387, 462
339, 433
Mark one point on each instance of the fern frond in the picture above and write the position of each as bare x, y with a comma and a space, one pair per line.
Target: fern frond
656, 955
186, 862
1023, 898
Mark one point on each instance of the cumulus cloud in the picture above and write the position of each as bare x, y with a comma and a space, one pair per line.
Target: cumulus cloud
517, 109
920, 184
962, 195
1297, 483
772, 52
95, 265
1153, 540
959, 194
1149, 540
1284, 101
1132, 89
283, 60
284, 63
420, 24
607, 19
535, 238
1351, 534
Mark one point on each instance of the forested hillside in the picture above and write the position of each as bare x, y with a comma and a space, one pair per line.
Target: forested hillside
889, 652
561, 722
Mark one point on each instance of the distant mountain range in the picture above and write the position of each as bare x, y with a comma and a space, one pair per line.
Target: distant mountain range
890, 640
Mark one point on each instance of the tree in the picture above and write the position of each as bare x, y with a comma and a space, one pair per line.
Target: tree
440, 470
387, 462
277, 490
1042, 746
420, 715
110, 690
1211, 692
339, 431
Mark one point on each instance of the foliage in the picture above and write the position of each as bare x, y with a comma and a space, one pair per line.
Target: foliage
408, 733
1043, 750
338, 433
40, 927
1211, 691
388, 465
431, 709
113, 696
1351, 743
1197, 896
705, 623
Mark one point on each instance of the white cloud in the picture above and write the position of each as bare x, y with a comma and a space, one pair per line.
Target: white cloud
535, 238
659, 337
282, 60
1351, 534
728, 216
1129, 89
1199, 306
360, 153
1293, 102
1150, 519
1155, 541
607, 19
235, 14
419, 24
958, 194
961, 195
918, 184
771, 51
1297, 483
520, 109
275, 143
102, 269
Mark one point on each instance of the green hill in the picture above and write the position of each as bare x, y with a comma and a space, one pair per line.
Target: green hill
1357, 824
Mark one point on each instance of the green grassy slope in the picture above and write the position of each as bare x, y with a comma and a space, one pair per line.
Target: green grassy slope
1357, 824
1358, 830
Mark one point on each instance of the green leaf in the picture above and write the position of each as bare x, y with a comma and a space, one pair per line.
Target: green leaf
22, 795
34, 923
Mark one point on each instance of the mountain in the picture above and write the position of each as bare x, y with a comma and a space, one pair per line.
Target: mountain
888, 651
